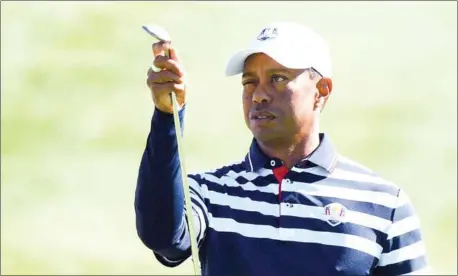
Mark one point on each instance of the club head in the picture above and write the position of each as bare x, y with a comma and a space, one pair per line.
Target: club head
157, 32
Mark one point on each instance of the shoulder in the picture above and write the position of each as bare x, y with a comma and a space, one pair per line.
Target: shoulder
376, 189
348, 164
353, 172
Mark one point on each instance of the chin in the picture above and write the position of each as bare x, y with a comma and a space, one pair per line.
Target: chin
267, 136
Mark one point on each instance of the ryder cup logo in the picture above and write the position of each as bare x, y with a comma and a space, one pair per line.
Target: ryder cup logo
335, 214
268, 33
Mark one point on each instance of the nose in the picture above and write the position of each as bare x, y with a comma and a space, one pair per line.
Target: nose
260, 95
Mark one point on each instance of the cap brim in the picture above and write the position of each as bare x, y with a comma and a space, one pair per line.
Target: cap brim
237, 61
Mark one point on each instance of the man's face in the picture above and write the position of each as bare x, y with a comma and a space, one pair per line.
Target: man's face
279, 103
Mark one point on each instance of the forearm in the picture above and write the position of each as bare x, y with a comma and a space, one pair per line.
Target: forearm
159, 195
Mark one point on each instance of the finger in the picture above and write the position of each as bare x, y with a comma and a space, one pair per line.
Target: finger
160, 48
173, 54
165, 76
169, 64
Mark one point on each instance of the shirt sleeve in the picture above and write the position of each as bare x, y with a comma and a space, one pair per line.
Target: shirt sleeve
404, 251
161, 219
199, 220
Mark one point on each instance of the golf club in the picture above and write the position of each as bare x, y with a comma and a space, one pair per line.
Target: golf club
161, 34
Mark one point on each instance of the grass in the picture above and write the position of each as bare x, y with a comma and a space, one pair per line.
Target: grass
75, 113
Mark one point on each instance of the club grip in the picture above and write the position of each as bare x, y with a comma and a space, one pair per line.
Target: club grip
167, 54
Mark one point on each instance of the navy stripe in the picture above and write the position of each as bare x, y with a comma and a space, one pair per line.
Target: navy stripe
347, 228
401, 267
321, 201
198, 179
307, 177
225, 169
406, 239
352, 168
195, 177
292, 222
363, 207
267, 257
206, 201
240, 192
258, 181
255, 218
305, 164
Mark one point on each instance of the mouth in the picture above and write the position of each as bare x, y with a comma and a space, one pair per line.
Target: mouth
262, 116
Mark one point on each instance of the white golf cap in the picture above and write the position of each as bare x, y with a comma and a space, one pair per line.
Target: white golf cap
292, 45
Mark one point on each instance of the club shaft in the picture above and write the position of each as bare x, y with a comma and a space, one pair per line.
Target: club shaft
187, 196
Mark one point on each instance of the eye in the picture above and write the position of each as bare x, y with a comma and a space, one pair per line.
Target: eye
278, 78
248, 81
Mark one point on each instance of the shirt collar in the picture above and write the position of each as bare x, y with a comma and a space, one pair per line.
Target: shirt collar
324, 156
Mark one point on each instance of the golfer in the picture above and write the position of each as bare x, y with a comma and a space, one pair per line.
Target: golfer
293, 205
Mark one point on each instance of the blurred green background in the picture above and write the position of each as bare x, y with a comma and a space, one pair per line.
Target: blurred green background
75, 113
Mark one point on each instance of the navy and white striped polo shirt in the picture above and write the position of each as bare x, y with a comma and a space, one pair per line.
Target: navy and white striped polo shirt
325, 216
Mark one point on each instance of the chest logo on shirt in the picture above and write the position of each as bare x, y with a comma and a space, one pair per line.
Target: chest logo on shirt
335, 214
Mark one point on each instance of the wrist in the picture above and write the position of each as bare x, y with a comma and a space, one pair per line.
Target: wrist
163, 115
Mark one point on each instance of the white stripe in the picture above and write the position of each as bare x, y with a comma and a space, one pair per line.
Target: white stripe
404, 226
250, 175
301, 211
315, 170
196, 220
343, 193
348, 161
367, 220
249, 186
354, 217
409, 252
203, 190
299, 235
243, 203
340, 174
203, 213
249, 159
200, 224
313, 189
200, 189
358, 177
197, 198
170, 261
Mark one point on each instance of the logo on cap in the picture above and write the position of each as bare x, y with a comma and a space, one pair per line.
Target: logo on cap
268, 33
335, 214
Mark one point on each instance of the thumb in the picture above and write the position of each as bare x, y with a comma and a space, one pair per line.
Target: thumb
173, 54
160, 48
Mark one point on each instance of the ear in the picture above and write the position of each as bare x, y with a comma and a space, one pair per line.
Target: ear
324, 87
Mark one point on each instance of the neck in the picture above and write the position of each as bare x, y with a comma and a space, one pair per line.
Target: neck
293, 152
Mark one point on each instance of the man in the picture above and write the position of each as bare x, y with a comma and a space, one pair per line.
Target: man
292, 205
